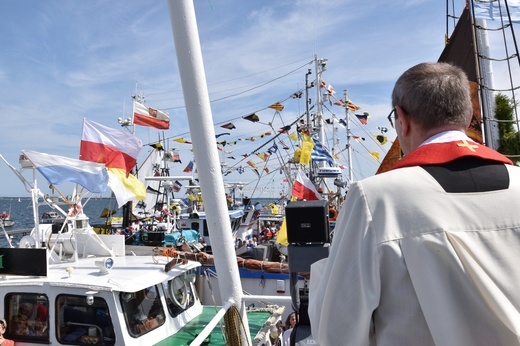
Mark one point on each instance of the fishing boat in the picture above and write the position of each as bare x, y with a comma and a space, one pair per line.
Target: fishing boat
74, 286
51, 217
5, 220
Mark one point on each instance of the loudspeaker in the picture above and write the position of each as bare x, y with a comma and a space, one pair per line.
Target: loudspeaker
307, 222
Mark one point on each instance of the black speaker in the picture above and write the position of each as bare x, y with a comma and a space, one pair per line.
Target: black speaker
307, 222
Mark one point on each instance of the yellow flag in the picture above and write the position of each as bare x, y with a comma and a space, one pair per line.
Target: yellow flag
282, 234
375, 155
293, 136
307, 146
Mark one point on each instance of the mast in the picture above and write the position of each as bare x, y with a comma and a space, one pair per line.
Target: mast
349, 137
191, 69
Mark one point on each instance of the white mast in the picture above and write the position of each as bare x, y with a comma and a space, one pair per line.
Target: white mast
349, 137
196, 97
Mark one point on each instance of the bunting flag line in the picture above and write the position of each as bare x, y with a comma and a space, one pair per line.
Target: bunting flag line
115, 148
151, 117
57, 169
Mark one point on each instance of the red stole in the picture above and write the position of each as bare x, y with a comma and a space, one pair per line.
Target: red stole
439, 153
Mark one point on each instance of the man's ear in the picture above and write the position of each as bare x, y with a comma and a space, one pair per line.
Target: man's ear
403, 120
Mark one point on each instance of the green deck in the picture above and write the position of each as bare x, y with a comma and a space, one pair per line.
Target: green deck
187, 334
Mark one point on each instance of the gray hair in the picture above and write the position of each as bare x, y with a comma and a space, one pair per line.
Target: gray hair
434, 95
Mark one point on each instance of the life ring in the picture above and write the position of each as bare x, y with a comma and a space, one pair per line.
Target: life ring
333, 214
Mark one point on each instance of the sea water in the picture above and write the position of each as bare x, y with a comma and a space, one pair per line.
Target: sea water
22, 212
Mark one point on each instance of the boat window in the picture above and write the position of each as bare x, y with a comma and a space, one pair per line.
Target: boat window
143, 310
205, 231
27, 317
180, 293
81, 320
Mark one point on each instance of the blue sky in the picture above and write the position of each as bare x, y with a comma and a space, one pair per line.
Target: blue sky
61, 61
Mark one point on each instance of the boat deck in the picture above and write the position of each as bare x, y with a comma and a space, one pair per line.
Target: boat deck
193, 328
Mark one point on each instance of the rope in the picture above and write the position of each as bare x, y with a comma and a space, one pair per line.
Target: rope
234, 327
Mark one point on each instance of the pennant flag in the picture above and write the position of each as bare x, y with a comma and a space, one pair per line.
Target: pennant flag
182, 140
363, 118
115, 148
375, 155
157, 146
172, 156
277, 106
342, 122
381, 139
330, 90
293, 136
352, 106
357, 138
256, 171
306, 150
297, 95
273, 149
263, 156
126, 188
303, 188
252, 117
231, 157
57, 169
229, 126
106, 213
284, 146
151, 117
251, 163
266, 169
284, 129
320, 153
340, 102
177, 186
251, 139
222, 134
189, 168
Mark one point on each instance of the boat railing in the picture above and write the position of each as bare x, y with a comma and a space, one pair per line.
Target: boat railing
200, 339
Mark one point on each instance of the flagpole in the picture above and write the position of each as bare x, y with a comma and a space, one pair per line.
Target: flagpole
196, 97
349, 137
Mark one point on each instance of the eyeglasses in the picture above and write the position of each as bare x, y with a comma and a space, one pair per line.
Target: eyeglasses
391, 118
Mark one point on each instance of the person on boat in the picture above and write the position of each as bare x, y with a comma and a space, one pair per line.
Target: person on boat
290, 322
3, 328
426, 253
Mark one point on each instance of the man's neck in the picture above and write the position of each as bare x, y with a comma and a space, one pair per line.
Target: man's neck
446, 136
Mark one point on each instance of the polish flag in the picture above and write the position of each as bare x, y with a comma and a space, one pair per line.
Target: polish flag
148, 116
114, 148
303, 188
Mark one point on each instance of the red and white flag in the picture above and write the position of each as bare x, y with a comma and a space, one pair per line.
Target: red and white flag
114, 148
303, 188
148, 116
118, 150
